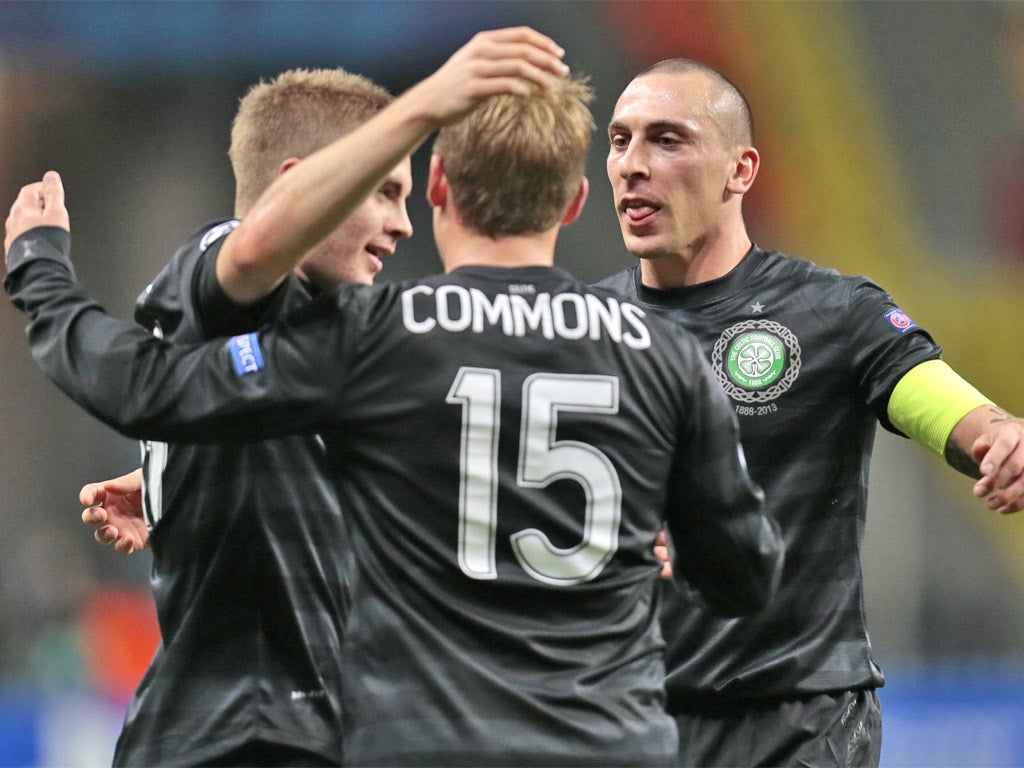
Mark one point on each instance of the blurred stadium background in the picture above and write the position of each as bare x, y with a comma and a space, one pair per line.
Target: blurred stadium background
892, 140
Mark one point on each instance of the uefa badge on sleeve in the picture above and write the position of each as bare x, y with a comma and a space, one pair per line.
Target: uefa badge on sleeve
899, 320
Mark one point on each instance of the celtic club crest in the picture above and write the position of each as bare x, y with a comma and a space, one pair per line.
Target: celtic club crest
756, 360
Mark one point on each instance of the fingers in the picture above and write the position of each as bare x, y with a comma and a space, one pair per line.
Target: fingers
666, 565
95, 494
522, 34
518, 70
662, 553
105, 535
94, 516
38, 204
91, 495
1005, 501
26, 205
513, 60
126, 484
52, 192
125, 545
1000, 456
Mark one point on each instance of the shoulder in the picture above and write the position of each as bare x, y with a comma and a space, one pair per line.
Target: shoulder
361, 299
169, 295
811, 276
203, 242
622, 283
780, 263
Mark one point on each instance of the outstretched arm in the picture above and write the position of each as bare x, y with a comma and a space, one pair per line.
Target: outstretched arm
937, 408
144, 387
304, 205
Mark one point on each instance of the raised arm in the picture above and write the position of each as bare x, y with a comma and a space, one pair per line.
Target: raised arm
304, 205
144, 387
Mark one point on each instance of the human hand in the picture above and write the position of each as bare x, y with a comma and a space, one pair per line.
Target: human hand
1000, 456
114, 509
38, 204
514, 60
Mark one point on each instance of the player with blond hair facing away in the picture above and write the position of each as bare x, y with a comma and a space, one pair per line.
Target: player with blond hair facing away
248, 538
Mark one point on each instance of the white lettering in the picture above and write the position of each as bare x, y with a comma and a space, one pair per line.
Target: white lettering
486, 312
409, 312
569, 316
604, 315
538, 316
463, 307
245, 355
634, 316
579, 313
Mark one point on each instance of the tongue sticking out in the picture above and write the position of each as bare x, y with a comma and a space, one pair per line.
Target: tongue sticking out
638, 213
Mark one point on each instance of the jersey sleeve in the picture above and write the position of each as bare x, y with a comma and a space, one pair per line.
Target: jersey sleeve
216, 313
726, 546
884, 344
252, 386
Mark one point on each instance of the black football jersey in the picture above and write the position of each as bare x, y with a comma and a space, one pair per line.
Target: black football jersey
507, 443
248, 562
808, 359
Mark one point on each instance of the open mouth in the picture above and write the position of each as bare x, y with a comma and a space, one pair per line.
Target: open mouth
377, 256
639, 212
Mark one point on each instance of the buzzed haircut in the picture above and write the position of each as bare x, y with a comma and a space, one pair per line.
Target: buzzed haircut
294, 115
515, 163
739, 131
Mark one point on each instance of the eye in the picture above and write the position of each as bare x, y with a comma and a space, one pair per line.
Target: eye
618, 141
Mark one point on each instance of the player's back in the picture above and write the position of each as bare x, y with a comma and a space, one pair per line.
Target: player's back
505, 445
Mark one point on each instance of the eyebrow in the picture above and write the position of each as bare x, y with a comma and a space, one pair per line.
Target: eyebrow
657, 125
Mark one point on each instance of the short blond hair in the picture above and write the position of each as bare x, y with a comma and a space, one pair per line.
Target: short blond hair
294, 115
515, 163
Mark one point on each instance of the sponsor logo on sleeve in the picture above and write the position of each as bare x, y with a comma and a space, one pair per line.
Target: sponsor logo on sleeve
246, 354
899, 321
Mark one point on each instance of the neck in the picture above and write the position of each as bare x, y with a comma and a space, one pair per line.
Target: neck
465, 249
699, 263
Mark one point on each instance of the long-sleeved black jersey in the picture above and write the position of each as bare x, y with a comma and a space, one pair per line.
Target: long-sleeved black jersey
507, 443
248, 563
809, 359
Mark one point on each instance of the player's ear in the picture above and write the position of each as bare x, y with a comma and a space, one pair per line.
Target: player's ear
437, 182
576, 206
291, 162
744, 171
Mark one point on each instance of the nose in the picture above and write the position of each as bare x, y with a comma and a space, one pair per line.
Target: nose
631, 161
399, 224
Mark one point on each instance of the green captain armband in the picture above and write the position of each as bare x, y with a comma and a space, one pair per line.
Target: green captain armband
929, 401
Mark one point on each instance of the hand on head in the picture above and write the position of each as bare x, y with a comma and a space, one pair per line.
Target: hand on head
516, 61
